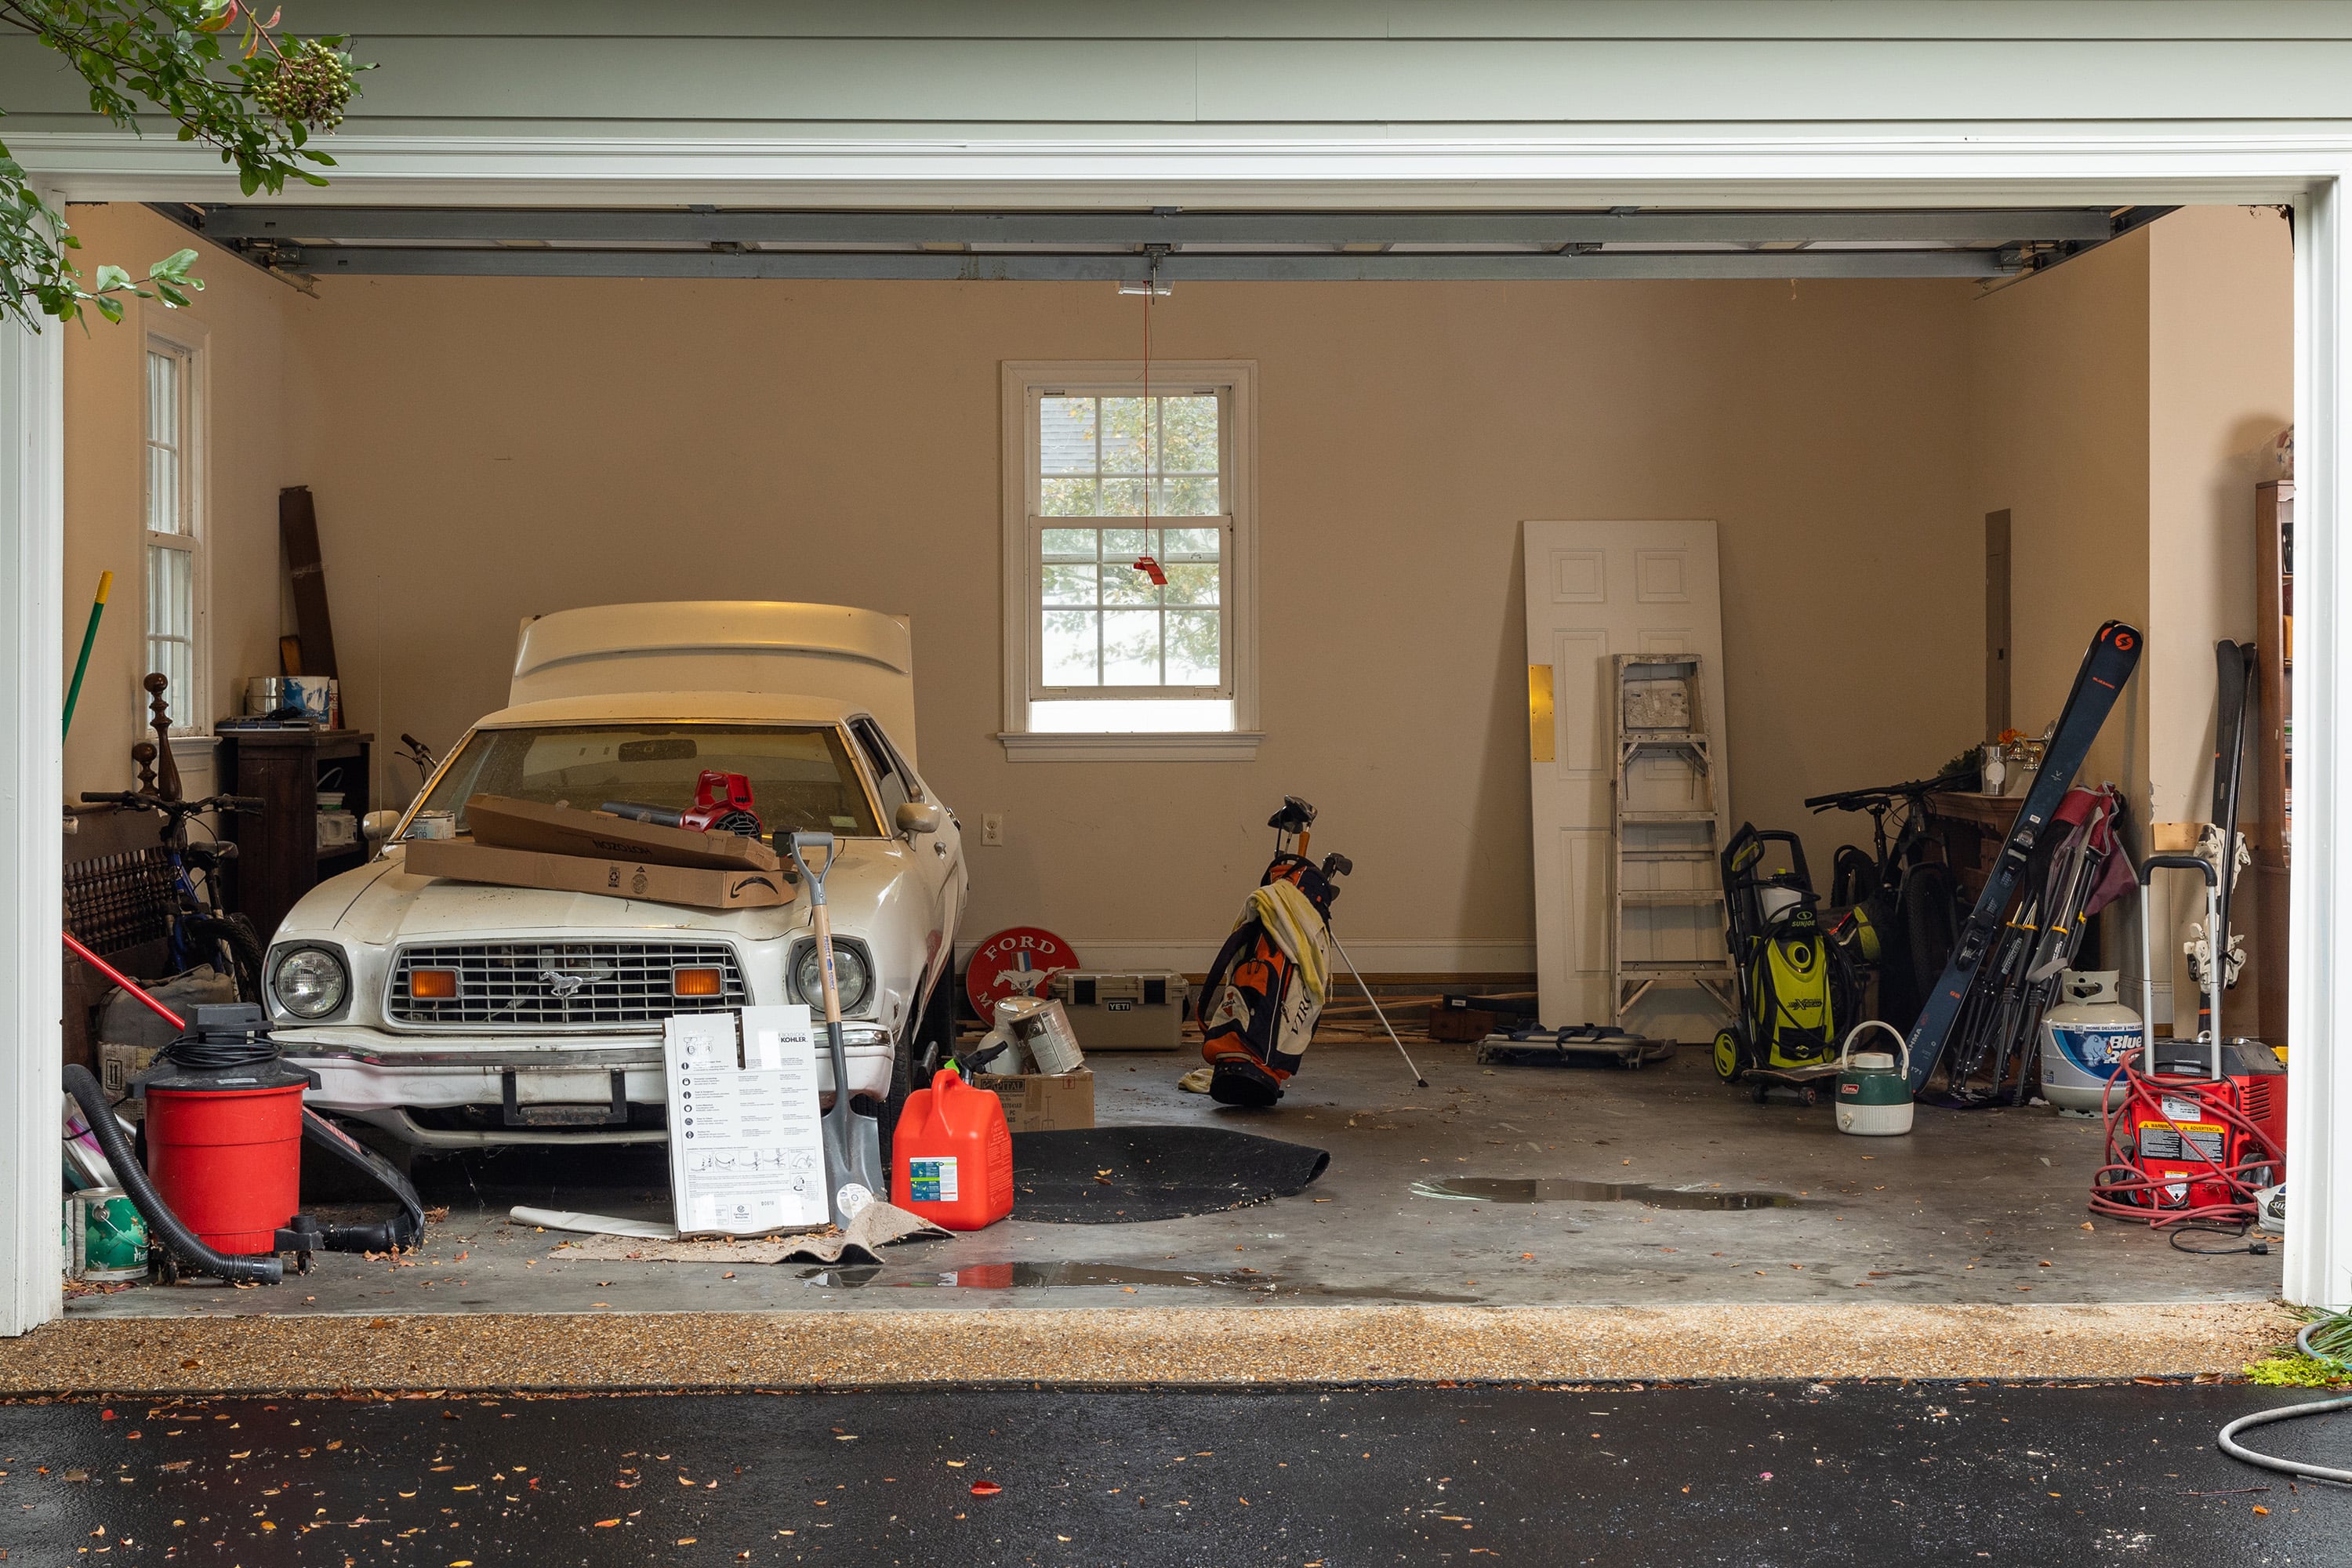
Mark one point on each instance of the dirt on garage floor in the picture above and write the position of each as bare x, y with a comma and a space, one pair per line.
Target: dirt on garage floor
1504, 1221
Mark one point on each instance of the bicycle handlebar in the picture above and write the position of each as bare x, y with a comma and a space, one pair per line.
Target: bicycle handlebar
131, 800
1859, 799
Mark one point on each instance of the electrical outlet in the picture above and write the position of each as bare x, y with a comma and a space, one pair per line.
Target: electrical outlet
991, 827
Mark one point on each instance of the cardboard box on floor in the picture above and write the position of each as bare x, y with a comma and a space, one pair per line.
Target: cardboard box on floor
502, 822
1036, 1103
463, 860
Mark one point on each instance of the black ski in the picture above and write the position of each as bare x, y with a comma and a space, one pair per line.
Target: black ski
2114, 655
2233, 667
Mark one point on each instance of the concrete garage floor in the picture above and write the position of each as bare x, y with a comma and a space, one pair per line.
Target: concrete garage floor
1983, 1207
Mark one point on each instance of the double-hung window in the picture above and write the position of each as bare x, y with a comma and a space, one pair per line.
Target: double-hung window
1129, 547
174, 642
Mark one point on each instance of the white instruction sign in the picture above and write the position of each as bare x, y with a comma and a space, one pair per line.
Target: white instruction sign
746, 1149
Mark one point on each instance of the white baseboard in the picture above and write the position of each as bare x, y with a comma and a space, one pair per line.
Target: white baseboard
1373, 956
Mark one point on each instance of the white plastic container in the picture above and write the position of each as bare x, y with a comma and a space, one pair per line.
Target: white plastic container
2085, 1038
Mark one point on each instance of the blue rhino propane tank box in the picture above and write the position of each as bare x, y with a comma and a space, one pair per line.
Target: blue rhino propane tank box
1130, 1010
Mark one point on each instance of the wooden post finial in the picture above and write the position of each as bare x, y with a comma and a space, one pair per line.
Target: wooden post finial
167, 769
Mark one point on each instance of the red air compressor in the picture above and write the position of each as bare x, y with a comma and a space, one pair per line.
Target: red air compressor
2195, 1128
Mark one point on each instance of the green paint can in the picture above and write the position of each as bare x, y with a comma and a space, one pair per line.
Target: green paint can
111, 1242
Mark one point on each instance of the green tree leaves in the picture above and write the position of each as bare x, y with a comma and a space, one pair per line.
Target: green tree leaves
219, 72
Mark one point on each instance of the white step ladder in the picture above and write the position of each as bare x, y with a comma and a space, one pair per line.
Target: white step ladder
1658, 717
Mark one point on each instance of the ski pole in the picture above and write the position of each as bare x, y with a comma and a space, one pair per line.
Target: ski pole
88, 636
1419, 1081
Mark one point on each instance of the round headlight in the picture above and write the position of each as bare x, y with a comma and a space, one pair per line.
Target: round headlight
310, 983
850, 975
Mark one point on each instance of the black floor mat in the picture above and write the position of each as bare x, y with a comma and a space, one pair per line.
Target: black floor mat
1114, 1175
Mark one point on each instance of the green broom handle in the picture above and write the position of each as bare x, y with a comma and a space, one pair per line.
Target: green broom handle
89, 636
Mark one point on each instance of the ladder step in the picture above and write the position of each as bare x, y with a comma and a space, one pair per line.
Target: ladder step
1665, 853
1671, 895
1669, 966
1643, 817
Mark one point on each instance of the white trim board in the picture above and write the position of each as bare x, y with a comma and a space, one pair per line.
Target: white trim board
31, 762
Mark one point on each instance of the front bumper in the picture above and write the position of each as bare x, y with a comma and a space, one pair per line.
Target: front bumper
380, 1078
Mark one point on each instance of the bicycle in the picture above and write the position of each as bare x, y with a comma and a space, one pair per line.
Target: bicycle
201, 931
1902, 891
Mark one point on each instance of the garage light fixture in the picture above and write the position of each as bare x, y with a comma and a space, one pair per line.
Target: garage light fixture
1151, 287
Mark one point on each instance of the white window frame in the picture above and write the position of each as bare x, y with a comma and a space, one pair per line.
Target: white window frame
184, 340
1025, 382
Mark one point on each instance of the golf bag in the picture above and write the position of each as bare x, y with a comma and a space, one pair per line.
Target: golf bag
1267, 987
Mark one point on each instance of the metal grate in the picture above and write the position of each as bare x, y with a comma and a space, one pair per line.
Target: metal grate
119, 901
562, 984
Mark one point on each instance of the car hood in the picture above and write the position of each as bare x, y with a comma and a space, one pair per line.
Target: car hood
381, 903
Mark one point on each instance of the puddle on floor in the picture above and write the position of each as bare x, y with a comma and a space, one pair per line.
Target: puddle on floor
1564, 1190
1064, 1275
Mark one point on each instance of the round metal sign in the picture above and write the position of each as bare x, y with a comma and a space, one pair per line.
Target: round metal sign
1017, 962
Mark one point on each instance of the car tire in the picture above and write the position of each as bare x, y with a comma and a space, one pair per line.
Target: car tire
935, 1026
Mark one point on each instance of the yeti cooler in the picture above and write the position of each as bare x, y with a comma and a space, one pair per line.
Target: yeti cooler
1142, 1010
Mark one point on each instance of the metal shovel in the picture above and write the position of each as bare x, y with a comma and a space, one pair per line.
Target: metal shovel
852, 1143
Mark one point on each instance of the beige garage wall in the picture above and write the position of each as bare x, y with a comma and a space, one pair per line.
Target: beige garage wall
241, 319
486, 450
2121, 406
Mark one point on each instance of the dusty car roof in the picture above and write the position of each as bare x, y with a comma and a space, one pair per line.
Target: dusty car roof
672, 707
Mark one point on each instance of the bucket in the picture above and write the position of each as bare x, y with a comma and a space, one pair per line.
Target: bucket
1874, 1093
109, 1236
951, 1155
228, 1161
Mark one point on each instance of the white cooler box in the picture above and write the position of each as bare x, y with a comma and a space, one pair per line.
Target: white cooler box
1141, 1010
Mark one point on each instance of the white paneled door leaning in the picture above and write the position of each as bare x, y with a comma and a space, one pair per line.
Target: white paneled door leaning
1595, 590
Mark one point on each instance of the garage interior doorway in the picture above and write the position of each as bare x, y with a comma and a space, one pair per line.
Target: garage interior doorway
490, 435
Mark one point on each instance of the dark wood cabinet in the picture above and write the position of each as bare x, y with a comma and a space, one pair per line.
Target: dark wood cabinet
279, 857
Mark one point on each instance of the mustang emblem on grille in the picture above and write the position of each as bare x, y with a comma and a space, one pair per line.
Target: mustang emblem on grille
565, 981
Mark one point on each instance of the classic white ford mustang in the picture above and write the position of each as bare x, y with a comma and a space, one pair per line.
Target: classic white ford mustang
551, 1031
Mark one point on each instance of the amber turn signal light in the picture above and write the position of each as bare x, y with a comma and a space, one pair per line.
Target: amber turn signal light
694, 983
432, 985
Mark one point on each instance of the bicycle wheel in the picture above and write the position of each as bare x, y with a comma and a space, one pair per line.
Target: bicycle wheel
235, 938
1931, 925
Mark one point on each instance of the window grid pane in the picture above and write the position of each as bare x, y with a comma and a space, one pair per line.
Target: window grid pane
1105, 623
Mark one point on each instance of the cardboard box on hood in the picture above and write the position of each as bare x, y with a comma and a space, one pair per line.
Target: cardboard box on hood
502, 822
701, 888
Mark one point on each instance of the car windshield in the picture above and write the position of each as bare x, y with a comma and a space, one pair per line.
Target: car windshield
802, 778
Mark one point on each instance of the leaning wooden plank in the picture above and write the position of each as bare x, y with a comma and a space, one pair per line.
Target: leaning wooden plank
298, 530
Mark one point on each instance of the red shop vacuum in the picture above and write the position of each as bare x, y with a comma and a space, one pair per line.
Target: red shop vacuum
2196, 1128
221, 1183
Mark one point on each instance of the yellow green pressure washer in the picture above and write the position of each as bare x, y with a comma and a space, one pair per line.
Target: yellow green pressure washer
1796, 986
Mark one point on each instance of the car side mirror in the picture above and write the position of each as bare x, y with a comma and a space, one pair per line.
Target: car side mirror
916, 817
378, 825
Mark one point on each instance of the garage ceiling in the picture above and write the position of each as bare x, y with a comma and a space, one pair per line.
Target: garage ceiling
1171, 245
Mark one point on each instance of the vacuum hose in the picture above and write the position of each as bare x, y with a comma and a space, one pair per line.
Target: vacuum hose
177, 1238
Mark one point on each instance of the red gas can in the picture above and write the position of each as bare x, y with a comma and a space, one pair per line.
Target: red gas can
951, 1156
228, 1161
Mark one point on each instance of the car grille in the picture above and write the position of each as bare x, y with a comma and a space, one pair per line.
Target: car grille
574, 984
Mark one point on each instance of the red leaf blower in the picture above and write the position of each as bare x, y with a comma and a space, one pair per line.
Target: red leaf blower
722, 803
2195, 1128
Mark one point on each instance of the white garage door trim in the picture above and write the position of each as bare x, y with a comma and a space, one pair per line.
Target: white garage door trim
2166, 162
